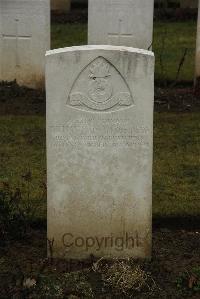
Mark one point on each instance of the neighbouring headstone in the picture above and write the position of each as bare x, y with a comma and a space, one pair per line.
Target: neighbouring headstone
99, 151
117, 22
60, 6
24, 40
197, 67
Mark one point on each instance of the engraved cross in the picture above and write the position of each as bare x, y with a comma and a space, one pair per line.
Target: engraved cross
119, 35
16, 37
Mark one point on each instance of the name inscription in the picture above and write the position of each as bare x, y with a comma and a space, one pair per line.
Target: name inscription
99, 133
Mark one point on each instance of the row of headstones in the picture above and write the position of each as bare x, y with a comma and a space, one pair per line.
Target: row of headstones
25, 33
99, 124
63, 6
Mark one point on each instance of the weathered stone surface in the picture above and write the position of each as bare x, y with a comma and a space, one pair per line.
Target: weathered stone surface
60, 6
24, 39
99, 151
116, 22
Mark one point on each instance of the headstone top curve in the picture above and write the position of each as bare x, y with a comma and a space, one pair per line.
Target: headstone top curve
100, 47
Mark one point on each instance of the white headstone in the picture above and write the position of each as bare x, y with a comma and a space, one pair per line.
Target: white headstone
99, 151
117, 22
24, 39
198, 48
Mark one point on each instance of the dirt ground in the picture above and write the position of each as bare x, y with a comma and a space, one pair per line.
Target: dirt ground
174, 251
17, 100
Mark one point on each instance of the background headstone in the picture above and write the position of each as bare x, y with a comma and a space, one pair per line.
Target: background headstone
99, 151
116, 22
60, 6
24, 39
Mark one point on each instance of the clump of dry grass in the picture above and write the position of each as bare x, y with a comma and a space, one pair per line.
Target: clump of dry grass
125, 277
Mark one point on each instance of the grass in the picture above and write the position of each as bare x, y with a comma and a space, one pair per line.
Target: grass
67, 35
170, 41
22, 151
176, 172
176, 186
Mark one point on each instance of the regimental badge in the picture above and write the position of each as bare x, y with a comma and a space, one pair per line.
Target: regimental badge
100, 87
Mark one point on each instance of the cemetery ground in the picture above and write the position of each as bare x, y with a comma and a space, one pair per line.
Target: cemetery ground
174, 270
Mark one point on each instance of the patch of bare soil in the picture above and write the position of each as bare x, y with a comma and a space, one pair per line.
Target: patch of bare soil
15, 100
24, 268
177, 99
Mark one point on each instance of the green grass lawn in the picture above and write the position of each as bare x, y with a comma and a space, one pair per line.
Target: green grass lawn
176, 171
22, 151
176, 176
170, 41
